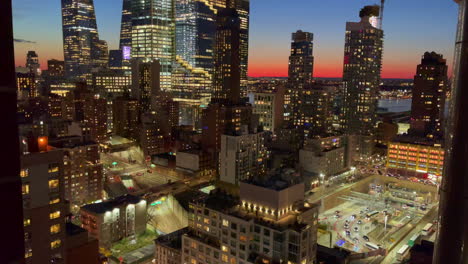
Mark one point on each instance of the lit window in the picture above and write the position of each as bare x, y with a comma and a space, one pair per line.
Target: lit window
224, 258
25, 189
54, 200
225, 222
54, 229
27, 222
24, 173
54, 215
53, 184
53, 168
55, 244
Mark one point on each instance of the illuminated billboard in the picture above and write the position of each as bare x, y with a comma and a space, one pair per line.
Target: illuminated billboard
126, 52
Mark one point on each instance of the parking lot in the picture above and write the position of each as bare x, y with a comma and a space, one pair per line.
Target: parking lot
374, 219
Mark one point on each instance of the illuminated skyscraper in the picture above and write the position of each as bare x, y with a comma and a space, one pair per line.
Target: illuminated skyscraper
227, 62
123, 54
126, 24
430, 87
81, 45
153, 35
361, 76
300, 70
243, 9
193, 66
301, 60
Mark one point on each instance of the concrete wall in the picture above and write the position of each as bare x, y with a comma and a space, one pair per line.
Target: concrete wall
272, 199
189, 161
327, 162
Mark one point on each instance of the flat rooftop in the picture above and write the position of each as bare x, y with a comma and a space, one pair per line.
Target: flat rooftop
172, 240
231, 205
102, 207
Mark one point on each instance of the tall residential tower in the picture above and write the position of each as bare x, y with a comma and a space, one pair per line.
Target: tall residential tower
243, 9
361, 77
430, 86
301, 60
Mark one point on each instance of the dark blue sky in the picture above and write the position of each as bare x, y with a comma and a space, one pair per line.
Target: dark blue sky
411, 27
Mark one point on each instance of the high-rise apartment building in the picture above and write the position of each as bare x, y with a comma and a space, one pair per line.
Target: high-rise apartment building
313, 110
227, 114
95, 119
82, 169
126, 116
91, 111
268, 223
301, 60
300, 72
242, 8
242, 157
152, 136
56, 68
361, 77
32, 63
81, 45
145, 81
268, 105
153, 35
227, 73
43, 204
26, 85
429, 93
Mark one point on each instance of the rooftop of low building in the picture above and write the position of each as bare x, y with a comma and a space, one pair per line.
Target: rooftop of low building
102, 207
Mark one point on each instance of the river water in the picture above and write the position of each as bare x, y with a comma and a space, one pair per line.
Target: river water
395, 105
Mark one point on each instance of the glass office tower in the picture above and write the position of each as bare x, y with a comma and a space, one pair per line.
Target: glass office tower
153, 35
81, 45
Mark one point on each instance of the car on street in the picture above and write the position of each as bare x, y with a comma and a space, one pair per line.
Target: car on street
359, 222
356, 229
356, 240
366, 238
337, 212
353, 217
348, 233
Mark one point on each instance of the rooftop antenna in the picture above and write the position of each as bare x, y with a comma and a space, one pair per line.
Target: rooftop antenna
382, 2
